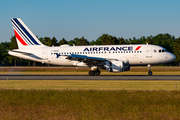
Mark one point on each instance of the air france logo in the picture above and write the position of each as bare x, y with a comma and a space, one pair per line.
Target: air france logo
138, 48
130, 48
108, 48
58, 54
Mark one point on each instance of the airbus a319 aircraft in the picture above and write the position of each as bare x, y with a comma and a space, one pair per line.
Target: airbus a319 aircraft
113, 58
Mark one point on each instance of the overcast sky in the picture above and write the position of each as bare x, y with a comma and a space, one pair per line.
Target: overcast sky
91, 18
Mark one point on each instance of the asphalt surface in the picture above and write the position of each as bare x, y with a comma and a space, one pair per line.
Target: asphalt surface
86, 77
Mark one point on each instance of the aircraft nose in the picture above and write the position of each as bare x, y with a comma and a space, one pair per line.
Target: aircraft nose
172, 57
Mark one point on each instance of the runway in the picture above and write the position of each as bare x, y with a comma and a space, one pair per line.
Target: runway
86, 77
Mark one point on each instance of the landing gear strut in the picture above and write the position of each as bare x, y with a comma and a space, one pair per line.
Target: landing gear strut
94, 72
149, 72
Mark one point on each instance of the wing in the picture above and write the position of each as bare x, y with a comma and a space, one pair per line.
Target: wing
90, 61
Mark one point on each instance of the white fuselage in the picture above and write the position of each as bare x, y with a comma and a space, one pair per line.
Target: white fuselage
132, 54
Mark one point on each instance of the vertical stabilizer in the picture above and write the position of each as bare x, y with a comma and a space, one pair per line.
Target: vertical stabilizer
24, 37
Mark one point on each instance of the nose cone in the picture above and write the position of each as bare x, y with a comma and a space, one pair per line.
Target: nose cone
172, 57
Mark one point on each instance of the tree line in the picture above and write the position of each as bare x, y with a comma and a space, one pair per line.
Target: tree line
167, 41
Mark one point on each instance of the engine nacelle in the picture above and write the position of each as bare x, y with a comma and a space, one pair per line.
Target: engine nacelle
116, 66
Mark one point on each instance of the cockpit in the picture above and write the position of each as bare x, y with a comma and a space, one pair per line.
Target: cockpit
160, 50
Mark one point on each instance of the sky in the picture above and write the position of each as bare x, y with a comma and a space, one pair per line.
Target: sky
91, 18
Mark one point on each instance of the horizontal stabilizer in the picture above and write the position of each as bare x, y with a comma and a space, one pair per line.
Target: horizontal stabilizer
26, 53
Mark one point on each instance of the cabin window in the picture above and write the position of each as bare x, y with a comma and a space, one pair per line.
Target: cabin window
154, 50
159, 51
163, 50
137, 51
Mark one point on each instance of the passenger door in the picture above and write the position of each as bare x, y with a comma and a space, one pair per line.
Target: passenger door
148, 52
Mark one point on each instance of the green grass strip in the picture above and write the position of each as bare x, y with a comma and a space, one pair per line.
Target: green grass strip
89, 104
90, 84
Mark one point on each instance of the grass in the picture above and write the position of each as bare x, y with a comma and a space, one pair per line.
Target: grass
89, 99
89, 85
89, 104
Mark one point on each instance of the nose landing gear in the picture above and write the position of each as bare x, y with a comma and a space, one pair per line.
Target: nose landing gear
149, 68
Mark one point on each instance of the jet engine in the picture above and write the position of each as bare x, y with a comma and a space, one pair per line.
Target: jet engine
116, 66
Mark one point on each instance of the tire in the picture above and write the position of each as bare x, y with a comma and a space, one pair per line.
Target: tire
97, 72
150, 73
91, 73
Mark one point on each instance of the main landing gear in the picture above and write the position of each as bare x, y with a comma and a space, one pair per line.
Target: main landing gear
149, 68
94, 72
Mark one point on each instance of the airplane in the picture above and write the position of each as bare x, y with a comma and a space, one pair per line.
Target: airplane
113, 58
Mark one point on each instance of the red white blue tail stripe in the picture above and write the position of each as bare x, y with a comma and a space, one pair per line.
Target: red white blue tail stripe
23, 33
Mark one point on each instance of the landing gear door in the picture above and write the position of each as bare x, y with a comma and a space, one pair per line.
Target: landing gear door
44, 54
148, 52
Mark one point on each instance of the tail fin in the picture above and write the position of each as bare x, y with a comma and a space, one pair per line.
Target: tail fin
24, 37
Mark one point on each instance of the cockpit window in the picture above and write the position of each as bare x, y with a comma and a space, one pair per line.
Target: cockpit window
165, 50
162, 50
